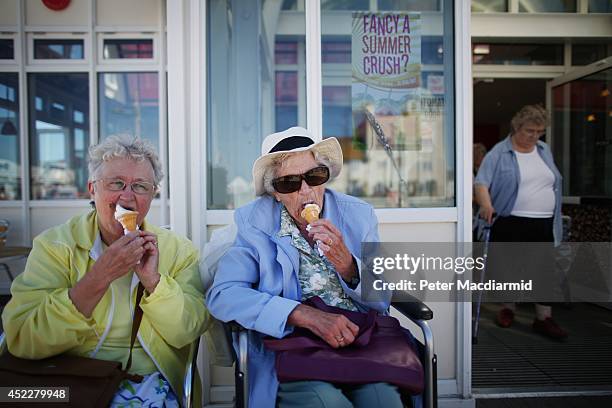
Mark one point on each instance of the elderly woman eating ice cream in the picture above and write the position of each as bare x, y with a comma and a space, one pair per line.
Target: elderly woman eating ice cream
297, 240
78, 290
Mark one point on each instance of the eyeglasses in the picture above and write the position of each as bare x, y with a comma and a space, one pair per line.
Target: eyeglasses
292, 183
138, 187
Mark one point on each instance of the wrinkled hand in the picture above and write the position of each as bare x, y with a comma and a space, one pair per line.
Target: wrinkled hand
332, 244
335, 329
117, 260
486, 213
147, 268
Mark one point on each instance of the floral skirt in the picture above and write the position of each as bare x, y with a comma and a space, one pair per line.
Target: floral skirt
153, 392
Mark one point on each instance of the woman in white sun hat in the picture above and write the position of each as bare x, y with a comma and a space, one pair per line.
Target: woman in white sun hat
280, 259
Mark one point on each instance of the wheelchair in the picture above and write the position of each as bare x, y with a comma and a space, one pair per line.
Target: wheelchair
221, 337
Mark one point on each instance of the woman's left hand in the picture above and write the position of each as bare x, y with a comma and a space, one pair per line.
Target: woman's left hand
332, 244
147, 268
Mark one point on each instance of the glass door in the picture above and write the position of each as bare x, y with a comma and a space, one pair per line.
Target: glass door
581, 132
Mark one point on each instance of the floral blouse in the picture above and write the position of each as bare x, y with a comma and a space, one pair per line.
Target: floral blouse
317, 275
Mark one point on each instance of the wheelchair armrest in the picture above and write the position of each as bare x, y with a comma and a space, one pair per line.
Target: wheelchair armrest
419, 313
190, 376
241, 356
413, 309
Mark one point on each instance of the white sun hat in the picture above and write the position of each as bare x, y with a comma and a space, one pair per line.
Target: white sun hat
295, 139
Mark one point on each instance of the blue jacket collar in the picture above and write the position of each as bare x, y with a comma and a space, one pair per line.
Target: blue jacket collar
268, 205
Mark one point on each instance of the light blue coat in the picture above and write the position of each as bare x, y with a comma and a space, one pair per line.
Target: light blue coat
257, 279
500, 174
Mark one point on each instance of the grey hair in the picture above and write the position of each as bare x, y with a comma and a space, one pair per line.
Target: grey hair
535, 114
127, 147
278, 161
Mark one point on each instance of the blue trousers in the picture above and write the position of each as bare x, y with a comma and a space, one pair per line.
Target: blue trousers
320, 394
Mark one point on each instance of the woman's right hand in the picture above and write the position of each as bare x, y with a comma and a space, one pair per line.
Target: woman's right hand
119, 257
116, 261
335, 329
486, 213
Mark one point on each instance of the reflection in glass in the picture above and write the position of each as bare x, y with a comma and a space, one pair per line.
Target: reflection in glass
547, 6
58, 143
128, 103
488, 6
600, 6
10, 177
7, 50
345, 4
285, 52
582, 129
286, 100
58, 49
128, 49
432, 50
414, 118
585, 54
256, 85
408, 5
517, 54
336, 51
292, 4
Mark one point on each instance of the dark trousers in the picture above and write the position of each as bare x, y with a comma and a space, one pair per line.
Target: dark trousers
523, 229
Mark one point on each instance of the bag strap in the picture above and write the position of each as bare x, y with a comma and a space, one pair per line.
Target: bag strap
135, 325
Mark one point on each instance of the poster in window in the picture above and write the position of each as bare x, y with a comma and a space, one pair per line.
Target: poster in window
386, 76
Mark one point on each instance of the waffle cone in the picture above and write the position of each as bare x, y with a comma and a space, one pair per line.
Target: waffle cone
311, 213
129, 221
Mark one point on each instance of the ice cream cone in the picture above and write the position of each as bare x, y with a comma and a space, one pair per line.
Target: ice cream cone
129, 221
311, 213
127, 218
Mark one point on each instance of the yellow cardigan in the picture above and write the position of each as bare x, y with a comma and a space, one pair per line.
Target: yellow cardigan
41, 321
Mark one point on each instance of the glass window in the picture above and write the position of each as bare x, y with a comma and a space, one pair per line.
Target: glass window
285, 52
408, 5
517, 54
582, 125
128, 49
336, 51
286, 99
58, 143
386, 80
128, 103
7, 50
10, 177
488, 6
600, 6
345, 5
432, 50
547, 6
292, 4
256, 86
337, 117
58, 49
585, 54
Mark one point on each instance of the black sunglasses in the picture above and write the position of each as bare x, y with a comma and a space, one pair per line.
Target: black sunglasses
292, 183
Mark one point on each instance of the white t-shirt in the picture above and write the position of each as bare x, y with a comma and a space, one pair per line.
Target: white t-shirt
536, 195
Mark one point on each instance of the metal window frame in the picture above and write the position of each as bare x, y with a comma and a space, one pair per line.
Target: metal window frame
101, 37
16, 49
24, 64
31, 37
